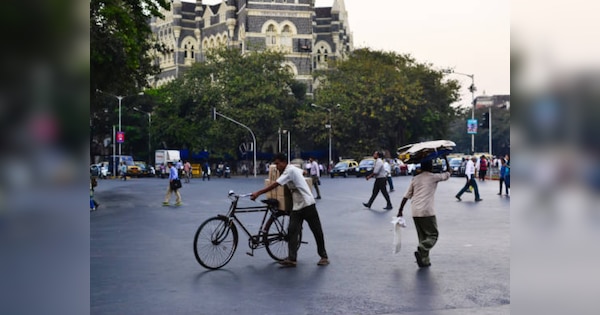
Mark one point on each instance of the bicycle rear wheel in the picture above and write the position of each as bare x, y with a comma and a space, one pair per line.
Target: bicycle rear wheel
276, 239
215, 242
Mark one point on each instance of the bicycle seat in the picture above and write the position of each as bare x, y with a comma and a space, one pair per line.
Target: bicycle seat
271, 202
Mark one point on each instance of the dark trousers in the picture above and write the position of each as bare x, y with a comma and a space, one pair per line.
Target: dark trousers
473, 183
310, 215
482, 174
505, 185
428, 234
315, 182
380, 185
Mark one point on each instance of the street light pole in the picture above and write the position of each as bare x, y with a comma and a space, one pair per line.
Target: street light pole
472, 88
120, 98
288, 146
279, 134
328, 126
149, 136
215, 113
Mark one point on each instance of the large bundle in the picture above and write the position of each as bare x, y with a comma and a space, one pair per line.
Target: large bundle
424, 151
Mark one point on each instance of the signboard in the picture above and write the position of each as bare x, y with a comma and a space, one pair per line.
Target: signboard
472, 126
120, 137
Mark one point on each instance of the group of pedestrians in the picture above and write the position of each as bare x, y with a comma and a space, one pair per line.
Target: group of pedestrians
420, 191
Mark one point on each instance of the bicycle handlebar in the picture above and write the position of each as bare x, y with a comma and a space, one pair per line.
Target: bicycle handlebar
233, 194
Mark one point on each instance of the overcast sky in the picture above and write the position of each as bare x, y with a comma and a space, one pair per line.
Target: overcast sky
471, 36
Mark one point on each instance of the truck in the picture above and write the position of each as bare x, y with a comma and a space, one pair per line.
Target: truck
162, 157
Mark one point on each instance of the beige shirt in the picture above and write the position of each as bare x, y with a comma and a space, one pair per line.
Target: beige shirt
422, 190
301, 194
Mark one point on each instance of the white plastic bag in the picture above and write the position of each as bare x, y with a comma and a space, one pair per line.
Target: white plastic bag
398, 223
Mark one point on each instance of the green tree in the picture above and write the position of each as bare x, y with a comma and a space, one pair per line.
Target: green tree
120, 39
386, 100
120, 42
252, 88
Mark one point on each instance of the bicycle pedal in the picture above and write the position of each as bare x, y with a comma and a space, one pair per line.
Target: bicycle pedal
250, 254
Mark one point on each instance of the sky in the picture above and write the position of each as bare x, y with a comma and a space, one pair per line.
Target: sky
469, 36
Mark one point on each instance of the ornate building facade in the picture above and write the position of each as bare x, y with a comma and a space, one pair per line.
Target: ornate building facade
308, 36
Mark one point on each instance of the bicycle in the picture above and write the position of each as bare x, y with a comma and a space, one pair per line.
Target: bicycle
216, 239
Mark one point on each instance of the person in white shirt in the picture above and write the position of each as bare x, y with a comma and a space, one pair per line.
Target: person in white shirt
315, 174
470, 174
388, 174
421, 191
303, 208
380, 182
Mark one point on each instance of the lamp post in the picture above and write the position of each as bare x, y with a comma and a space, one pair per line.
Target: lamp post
149, 127
328, 126
288, 146
279, 134
215, 114
120, 98
472, 88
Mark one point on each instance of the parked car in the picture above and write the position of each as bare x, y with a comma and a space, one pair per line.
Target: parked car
144, 170
344, 168
365, 167
412, 168
439, 166
399, 168
456, 167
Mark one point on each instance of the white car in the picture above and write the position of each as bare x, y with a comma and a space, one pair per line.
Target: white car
103, 167
412, 168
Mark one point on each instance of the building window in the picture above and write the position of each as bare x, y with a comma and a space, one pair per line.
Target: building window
271, 35
286, 38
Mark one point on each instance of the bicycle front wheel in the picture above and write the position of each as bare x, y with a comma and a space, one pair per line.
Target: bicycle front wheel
277, 237
215, 242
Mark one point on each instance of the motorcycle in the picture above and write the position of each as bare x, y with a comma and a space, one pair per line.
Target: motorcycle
227, 172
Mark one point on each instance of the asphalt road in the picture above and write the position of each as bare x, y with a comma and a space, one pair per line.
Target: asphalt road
142, 260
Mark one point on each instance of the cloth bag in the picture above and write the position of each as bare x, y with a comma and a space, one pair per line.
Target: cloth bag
398, 223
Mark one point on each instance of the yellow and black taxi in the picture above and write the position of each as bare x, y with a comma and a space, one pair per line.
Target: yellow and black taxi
344, 168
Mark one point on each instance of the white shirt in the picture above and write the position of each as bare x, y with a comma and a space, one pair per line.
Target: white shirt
378, 169
314, 168
301, 194
470, 168
387, 168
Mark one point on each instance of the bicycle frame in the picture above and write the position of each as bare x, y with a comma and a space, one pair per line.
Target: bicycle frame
256, 241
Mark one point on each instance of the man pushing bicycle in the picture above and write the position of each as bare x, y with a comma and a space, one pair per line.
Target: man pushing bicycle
303, 208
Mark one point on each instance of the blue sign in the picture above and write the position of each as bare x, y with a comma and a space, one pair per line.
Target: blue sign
472, 126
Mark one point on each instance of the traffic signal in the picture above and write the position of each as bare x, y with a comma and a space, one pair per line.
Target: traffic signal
485, 118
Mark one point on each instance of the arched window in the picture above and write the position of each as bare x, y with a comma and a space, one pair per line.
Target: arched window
322, 55
185, 51
271, 35
286, 38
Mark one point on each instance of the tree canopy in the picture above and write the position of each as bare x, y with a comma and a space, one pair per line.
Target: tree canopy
386, 100
120, 39
253, 89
